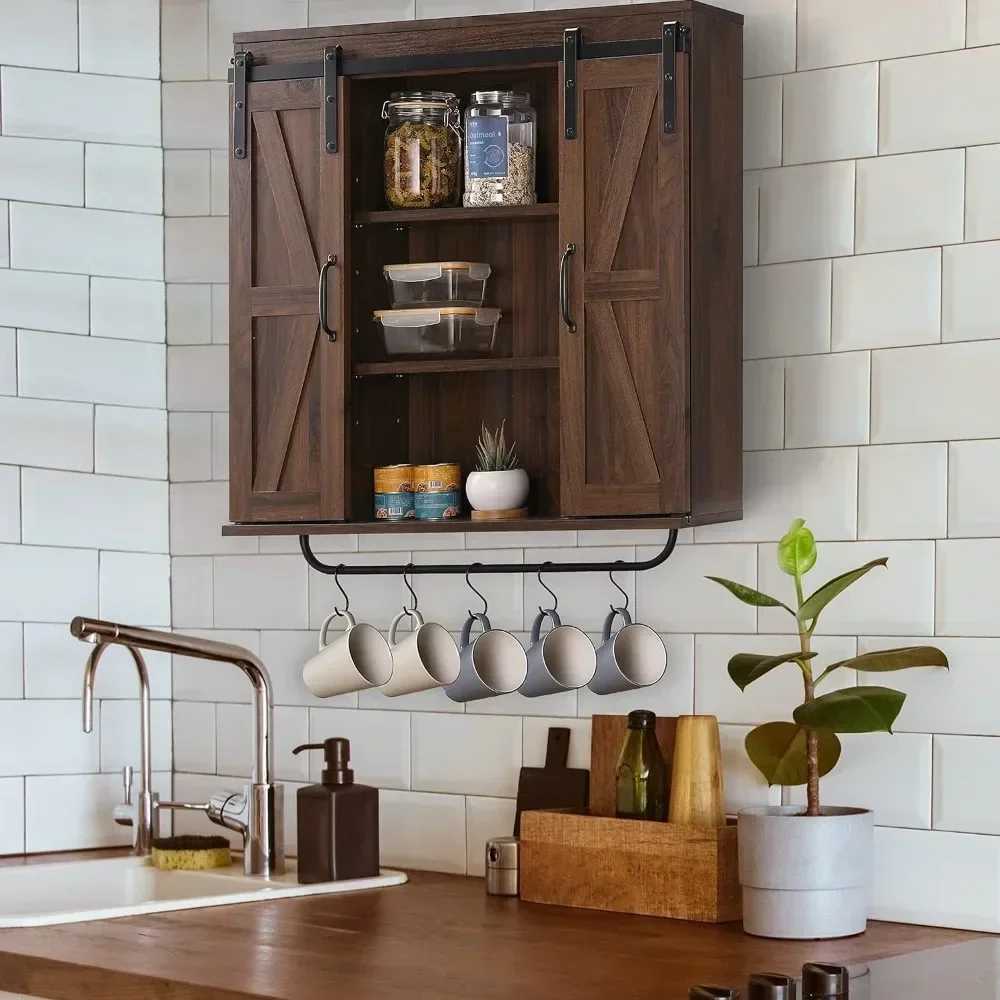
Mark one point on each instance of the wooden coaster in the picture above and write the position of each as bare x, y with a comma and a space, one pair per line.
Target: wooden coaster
499, 515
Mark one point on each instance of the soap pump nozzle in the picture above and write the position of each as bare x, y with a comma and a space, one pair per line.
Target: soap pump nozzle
336, 758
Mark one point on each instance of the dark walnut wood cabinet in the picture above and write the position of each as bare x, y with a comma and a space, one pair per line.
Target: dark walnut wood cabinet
625, 399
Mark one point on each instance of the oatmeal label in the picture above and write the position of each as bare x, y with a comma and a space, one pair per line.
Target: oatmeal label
486, 139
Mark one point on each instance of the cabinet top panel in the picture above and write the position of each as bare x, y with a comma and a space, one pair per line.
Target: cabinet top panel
527, 20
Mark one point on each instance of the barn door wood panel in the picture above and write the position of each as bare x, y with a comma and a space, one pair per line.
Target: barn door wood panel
287, 379
624, 370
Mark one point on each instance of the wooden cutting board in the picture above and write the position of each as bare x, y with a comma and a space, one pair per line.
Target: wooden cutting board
554, 786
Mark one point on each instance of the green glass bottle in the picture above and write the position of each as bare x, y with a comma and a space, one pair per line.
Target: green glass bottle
641, 776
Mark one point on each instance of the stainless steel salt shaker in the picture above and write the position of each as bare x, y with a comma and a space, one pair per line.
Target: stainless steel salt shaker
824, 982
766, 986
713, 993
503, 866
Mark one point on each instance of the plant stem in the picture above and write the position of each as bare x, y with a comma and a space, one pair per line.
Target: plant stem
812, 737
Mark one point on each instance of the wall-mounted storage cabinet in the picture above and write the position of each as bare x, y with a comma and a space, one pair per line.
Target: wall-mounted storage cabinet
617, 360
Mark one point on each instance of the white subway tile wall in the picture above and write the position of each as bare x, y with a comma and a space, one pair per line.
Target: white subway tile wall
83, 414
871, 346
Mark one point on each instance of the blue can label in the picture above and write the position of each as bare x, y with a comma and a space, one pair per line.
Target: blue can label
486, 140
438, 506
394, 506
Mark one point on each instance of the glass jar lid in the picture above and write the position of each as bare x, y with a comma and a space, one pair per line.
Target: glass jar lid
505, 98
421, 99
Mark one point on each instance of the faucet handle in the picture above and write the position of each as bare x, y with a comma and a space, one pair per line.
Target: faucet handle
127, 782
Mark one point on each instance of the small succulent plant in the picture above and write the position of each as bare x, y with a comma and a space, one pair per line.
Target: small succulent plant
492, 453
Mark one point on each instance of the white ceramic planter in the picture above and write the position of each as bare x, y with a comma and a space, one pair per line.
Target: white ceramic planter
507, 490
805, 877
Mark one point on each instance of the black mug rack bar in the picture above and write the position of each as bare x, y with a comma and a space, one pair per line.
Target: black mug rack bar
452, 569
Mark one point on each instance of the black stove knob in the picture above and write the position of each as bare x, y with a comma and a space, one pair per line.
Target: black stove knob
712, 993
765, 986
824, 982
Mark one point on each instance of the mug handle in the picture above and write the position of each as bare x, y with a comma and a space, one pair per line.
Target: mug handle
467, 627
346, 615
536, 628
417, 617
610, 620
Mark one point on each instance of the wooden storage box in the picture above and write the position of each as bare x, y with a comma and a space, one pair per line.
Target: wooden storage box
602, 863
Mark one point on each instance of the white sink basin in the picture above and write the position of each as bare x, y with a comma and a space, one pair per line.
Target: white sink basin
73, 891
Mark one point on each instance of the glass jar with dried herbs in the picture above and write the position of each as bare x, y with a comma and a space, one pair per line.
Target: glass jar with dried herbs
423, 149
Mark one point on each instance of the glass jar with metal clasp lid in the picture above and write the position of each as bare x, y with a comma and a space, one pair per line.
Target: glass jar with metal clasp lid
500, 139
423, 149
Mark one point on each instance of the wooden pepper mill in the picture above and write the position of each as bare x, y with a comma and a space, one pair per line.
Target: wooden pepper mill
696, 797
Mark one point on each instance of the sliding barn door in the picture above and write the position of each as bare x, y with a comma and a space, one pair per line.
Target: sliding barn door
287, 378
624, 368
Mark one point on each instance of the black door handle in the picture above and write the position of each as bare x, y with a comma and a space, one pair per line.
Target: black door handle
323, 322
564, 287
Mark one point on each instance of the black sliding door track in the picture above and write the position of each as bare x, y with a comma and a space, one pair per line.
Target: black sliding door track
444, 61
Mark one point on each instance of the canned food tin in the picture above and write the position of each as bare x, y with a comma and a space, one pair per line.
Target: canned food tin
394, 479
393, 506
445, 477
438, 506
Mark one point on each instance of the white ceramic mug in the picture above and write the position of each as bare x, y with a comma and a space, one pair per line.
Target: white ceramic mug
561, 660
427, 658
359, 658
632, 657
493, 663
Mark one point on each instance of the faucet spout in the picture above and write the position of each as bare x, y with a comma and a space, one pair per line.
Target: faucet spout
89, 675
101, 632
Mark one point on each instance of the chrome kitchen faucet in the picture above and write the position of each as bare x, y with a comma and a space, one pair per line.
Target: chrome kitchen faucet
256, 813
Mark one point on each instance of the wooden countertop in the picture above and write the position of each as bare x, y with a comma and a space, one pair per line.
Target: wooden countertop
439, 936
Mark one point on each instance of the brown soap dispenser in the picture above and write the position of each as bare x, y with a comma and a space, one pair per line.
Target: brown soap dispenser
337, 820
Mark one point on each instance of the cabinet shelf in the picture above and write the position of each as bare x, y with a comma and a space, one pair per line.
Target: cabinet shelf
494, 213
655, 523
456, 365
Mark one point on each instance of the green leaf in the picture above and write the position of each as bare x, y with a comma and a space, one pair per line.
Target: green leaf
778, 751
884, 660
816, 602
852, 710
745, 668
797, 550
750, 596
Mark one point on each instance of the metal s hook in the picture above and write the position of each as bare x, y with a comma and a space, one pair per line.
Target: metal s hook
340, 587
545, 586
468, 582
408, 568
617, 586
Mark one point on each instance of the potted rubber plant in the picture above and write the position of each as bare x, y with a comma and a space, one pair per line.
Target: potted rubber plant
498, 483
806, 872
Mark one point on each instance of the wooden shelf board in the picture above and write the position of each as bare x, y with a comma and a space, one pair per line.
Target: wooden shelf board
495, 213
654, 523
456, 365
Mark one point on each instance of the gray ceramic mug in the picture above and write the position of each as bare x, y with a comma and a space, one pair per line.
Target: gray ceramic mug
633, 657
561, 660
493, 663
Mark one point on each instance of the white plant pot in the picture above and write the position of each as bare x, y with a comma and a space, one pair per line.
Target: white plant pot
507, 490
805, 877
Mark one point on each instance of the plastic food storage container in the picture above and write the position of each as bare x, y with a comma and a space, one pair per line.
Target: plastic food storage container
456, 283
448, 330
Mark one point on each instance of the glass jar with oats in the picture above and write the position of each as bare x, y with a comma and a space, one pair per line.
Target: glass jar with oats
500, 132
423, 149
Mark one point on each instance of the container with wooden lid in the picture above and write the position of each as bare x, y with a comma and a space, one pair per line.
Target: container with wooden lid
458, 331
441, 283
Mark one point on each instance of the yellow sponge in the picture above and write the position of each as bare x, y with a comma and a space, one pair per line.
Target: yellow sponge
191, 853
